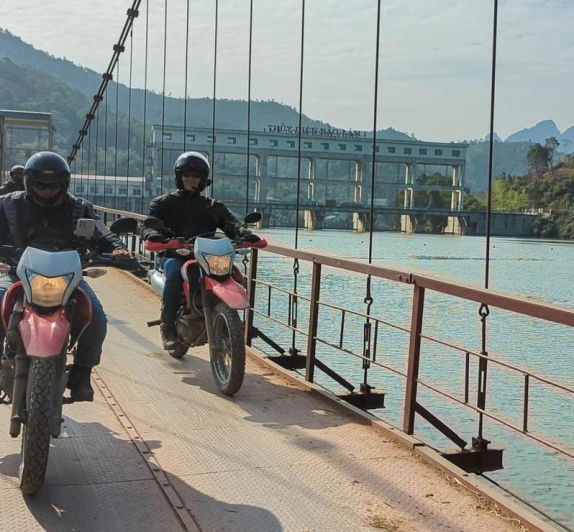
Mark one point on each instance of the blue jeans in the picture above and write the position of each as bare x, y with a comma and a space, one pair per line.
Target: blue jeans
90, 344
172, 289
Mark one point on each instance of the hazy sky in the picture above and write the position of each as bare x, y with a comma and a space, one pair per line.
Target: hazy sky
435, 56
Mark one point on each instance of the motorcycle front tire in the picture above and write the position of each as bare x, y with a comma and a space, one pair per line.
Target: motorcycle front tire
36, 433
227, 350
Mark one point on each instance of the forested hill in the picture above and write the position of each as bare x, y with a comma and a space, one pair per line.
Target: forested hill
33, 80
230, 114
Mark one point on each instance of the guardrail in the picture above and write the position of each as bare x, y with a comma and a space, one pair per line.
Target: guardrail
329, 332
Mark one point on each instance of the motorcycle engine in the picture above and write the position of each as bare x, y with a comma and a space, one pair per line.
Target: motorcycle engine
191, 329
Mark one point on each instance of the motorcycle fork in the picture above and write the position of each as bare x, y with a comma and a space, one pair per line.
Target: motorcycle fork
58, 395
21, 368
208, 303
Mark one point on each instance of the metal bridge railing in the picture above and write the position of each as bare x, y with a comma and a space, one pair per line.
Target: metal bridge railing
330, 334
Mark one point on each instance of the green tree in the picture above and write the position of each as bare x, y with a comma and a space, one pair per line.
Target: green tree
551, 144
538, 158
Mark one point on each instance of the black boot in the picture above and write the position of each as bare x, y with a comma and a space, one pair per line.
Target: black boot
168, 337
79, 384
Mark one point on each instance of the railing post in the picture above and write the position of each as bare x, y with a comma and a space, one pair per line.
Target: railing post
313, 321
251, 293
414, 359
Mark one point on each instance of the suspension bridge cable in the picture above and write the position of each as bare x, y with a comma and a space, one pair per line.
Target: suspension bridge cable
105, 147
163, 94
480, 442
301, 71
118, 48
116, 145
214, 93
375, 112
249, 72
129, 121
491, 144
368, 352
293, 307
96, 151
144, 160
185, 83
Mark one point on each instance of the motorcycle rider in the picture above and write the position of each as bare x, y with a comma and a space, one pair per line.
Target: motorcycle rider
186, 213
16, 181
44, 216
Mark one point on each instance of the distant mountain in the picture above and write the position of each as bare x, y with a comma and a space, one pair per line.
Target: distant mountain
496, 138
230, 114
33, 80
538, 133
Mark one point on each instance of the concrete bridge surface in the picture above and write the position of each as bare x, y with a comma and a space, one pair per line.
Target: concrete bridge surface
161, 449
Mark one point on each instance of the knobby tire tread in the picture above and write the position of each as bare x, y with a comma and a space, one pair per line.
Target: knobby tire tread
36, 433
233, 328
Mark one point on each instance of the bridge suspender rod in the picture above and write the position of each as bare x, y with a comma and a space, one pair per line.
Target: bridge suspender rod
249, 72
144, 159
129, 120
185, 92
294, 298
368, 353
480, 442
106, 77
215, 36
161, 168
117, 136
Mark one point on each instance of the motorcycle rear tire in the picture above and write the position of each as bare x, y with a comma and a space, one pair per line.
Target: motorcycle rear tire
36, 433
227, 351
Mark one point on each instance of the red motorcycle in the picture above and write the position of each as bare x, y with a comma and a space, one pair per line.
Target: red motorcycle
213, 292
44, 314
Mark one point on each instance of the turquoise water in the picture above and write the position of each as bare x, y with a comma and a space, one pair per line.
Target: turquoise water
539, 270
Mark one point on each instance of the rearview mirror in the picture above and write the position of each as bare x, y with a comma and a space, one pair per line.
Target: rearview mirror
153, 223
253, 218
124, 226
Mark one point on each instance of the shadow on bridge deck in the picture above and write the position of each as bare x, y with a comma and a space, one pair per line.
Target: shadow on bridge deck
160, 442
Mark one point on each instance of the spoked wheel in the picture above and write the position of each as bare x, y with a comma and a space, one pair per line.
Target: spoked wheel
178, 351
227, 351
36, 430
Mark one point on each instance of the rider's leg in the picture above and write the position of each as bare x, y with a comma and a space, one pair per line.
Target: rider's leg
170, 299
5, 282
89, 350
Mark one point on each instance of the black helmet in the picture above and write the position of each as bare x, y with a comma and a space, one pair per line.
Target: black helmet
192, 160
17, 173
50, 168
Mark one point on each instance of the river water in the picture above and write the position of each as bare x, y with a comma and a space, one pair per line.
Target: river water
540, 270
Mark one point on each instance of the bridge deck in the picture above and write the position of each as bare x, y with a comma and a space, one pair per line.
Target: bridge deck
161, 449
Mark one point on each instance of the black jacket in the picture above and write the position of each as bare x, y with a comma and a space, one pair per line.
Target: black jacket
23, 223
189, 215
11, 186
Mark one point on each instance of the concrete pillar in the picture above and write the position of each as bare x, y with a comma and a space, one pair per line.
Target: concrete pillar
309, 218
311, 176
358, 192
456, 196
359, 222
261, 178
265, 220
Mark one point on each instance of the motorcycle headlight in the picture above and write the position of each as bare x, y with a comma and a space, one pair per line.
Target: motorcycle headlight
48, 291
218, 264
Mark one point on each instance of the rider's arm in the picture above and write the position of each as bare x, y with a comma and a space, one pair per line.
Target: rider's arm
225, 219
4, 229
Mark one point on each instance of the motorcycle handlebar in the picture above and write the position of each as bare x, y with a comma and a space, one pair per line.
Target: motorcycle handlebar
178, 243
105, 259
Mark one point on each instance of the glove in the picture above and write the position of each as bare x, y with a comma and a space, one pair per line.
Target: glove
248, 236
121, 254
157, 237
